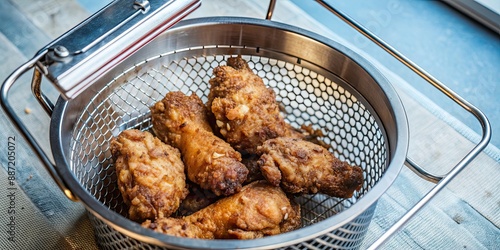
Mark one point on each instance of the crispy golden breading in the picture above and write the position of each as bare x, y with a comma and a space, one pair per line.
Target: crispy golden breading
246, 111
258, 210
150, 174
299, 166
210, 162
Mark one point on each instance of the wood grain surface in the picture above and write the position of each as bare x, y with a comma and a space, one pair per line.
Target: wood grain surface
465, 215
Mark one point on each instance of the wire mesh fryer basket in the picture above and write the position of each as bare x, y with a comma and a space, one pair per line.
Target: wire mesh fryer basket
307, 97
309, 93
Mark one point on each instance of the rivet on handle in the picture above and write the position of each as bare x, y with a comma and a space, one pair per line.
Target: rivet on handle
142, 5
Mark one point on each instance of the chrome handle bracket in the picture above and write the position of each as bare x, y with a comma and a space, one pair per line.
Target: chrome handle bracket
79, 57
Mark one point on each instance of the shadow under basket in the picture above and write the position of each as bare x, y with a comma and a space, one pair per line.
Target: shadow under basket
317, 81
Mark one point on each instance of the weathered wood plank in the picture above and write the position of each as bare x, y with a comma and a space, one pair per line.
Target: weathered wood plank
49, 207
21, 231
20, 31
53, 17
448, 222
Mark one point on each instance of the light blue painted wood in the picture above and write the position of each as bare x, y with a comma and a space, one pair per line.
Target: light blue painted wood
454, 220
446, 223
59, 218
455, 49
20, 31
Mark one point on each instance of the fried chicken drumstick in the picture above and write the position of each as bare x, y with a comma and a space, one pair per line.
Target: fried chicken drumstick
299, 166
150, 174
210, 162
258, 210
246, 111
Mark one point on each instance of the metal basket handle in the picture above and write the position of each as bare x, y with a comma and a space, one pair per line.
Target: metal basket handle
73, 61
24, 131
441, 181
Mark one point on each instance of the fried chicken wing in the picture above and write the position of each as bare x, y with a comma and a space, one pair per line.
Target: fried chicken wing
299, 166
246, 111
210, 162
258, 210
150, 174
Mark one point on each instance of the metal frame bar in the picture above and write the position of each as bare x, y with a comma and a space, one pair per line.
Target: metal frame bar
4, 93
442, 181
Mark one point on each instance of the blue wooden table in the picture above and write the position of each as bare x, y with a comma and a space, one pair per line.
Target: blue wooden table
466, 214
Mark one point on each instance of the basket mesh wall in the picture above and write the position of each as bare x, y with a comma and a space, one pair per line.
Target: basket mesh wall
307, 98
